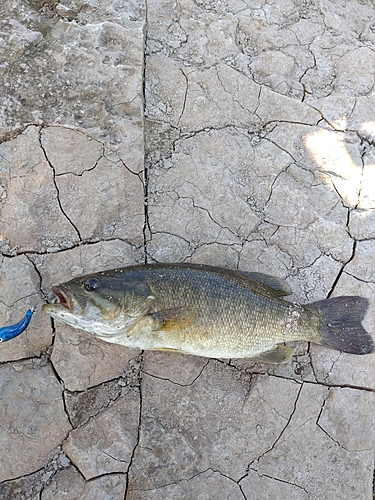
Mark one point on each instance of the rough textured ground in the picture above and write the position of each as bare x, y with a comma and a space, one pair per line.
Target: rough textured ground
237, 133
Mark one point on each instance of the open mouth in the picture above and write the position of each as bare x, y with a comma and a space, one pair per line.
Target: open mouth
65, 300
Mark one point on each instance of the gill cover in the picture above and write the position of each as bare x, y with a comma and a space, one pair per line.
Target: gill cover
137, 299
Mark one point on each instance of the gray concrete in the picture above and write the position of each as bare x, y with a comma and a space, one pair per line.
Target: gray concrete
236, 133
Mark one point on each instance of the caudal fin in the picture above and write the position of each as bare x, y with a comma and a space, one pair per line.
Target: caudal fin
341, 326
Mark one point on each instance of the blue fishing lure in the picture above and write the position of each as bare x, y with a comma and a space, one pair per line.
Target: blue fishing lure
9, 332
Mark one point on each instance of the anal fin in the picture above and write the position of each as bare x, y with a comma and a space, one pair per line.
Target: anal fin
279, 354
166, 349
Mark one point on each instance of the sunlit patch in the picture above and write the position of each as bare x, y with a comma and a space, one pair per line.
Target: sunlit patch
340, 161
369, 129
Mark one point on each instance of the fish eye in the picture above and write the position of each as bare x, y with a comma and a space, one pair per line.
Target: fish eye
92, 284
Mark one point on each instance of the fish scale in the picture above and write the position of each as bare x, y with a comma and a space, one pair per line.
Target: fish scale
230, 316
227, 311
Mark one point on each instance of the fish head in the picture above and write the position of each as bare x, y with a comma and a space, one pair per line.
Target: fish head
103, 305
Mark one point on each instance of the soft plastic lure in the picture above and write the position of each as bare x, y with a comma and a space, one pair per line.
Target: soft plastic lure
9, 332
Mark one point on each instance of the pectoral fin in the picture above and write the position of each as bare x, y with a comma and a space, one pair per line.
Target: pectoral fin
279, 354
172, 319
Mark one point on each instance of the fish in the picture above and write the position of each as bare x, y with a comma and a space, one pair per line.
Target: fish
206, 311
12, 331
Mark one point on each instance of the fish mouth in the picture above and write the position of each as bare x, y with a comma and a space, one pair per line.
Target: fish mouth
65, 298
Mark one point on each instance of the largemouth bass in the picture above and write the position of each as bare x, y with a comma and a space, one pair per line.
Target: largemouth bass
206, 311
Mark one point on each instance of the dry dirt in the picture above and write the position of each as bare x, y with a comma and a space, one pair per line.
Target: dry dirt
237, 133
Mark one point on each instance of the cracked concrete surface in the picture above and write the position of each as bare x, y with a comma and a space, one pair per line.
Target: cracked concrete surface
236, 133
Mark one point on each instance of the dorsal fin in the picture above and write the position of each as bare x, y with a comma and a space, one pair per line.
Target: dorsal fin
278, 285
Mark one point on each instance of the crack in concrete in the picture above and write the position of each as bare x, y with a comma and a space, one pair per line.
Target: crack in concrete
104, 452
327, 433
275, 443
81, 244
209, 215
279, 147
329, 371
279, 480
328, 122
272, 186
146, 230
363, 151
45, 475
223, 475
339, 274
131, 460
194, 247
119, 160
62, 385
127, 384
83, 171
312, 364
191, 478
368, 282
285, 427
104, 407
323, 384
234, 94
13, 134
303, 381
56, 187
21, 299
42, 293
99, 476
178, 383
113, 458
154, 233
145, 172
185, 97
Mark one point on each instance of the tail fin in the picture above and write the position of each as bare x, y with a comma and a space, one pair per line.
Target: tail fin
341, 326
